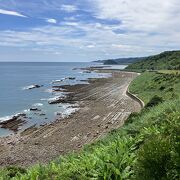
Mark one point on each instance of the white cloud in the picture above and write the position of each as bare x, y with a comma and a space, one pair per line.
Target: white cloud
122, 46
97, 42
70, 23
53, 21
148, 27
140, 15
11, 13
69, 8
91, 46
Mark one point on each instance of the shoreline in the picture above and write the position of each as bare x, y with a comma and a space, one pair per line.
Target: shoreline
104, 106
16, 122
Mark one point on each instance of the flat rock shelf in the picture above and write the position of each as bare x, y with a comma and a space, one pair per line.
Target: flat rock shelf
104, 106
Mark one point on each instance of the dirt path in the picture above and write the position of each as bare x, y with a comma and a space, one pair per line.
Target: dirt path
104, 106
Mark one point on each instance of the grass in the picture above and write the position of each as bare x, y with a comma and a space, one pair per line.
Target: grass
169, 71
149, 84
147, 147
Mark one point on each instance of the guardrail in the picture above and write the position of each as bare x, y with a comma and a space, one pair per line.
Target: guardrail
133, 96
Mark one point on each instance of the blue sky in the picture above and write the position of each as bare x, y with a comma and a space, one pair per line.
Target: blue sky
86, 30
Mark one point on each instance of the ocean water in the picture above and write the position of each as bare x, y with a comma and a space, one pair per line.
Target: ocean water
15, 98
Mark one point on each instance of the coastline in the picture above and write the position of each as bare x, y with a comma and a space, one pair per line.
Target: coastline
104, 106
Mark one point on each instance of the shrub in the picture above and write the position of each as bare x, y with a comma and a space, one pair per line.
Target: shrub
13, 171
153, 159
170, 89
162, 88
131, 117
155, 100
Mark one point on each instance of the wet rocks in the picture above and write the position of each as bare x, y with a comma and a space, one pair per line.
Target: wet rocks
87, 71
71, 78
61, 80
14, 122
42, 114
57, 100
33, 86
61, 99
34, 109
57, 81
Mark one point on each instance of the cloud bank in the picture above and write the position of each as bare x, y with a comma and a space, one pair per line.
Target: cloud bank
96, 29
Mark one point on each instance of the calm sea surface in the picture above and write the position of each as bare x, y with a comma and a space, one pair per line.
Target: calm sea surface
15, 98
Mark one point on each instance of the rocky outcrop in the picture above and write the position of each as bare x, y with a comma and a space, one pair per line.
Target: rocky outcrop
14, 122
32, 86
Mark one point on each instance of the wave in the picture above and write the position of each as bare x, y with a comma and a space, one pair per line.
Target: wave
68, 110
33, 86
57, 81
37, 104
62, 79
55, 99
11, 117
49, 90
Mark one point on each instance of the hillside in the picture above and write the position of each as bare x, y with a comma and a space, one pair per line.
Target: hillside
120, 60
110, 62
167, 60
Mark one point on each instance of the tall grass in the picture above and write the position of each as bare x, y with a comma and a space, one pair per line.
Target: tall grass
150, 84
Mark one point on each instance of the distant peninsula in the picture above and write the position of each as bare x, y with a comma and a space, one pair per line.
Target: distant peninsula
119, 61
165, 60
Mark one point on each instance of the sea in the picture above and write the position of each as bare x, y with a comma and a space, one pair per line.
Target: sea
17, 94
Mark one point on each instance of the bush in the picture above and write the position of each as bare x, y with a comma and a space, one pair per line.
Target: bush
162, 88
131, 117
13, 171
153, 159
155, 100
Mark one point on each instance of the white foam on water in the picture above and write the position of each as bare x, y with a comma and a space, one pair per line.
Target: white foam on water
38, 104
57, 81
48, 90
7, 118
54, 98
26, 110
57, 88
33, 86
68, 109
29, 87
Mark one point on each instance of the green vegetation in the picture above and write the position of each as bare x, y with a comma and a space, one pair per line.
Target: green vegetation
170, 71
121, 60
166, 86
110, 62
147, 147
169, 60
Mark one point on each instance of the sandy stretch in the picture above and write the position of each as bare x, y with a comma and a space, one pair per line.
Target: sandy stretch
104, 106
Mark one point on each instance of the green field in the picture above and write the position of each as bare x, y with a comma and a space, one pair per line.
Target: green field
147, 147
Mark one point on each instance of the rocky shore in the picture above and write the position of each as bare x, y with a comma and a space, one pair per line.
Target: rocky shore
14, 122
103, 106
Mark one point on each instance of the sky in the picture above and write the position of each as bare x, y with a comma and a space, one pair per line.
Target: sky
87, 30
